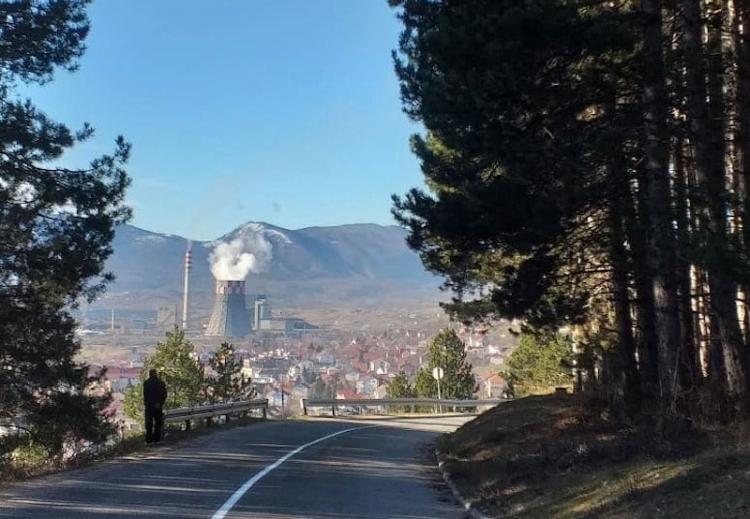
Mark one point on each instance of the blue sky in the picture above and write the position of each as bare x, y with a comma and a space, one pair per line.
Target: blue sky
285, 111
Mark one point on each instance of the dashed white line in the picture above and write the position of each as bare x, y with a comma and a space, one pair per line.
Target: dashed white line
229, 503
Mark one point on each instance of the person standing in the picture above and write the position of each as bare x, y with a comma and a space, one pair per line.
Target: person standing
154, 396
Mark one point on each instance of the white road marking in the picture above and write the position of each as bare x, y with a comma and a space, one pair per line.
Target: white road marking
229, 503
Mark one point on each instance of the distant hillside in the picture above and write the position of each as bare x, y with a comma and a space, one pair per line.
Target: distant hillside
321, 263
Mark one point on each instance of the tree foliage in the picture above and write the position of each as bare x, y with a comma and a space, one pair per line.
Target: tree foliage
227, 382
587, 165
177, 365
308, 376
399, 387
56, 229
186, 379
324, 390
448, 352
132, 404
425, 386
506, 157
540, 362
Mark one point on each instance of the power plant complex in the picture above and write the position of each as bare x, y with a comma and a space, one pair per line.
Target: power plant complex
236, 314
232, 316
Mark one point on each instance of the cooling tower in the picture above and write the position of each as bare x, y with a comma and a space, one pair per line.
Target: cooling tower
230, 317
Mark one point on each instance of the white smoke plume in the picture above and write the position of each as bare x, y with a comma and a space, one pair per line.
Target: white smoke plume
235, 260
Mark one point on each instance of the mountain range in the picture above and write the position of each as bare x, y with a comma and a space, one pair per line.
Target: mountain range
314, 264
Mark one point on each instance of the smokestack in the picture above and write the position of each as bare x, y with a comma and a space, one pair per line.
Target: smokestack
186, 286
229, 317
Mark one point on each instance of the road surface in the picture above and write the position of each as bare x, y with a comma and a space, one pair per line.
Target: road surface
376, 468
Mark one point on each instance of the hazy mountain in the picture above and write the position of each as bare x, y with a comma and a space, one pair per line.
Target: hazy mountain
348, 261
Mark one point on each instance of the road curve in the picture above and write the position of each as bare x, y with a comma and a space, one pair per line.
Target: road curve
381, 468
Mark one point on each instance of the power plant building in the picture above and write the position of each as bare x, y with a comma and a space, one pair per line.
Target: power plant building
261, 311
237, 315
230, 317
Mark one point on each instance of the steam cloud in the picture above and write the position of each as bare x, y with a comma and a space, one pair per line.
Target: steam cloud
235, 260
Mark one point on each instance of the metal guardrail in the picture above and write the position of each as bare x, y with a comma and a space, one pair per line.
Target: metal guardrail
385, 402
187, 414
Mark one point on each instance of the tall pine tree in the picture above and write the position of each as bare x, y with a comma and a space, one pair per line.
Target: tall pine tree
587, 165
56, 227
448, 352
227, 382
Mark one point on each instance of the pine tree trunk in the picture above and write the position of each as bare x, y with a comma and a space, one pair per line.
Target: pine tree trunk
710, 362
742, 44
690, 374
661, 233
707, 129
623, 320
619, 203
636, 225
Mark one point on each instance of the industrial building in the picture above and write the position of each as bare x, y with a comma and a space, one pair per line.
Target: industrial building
237, 315
230, 317
261, 311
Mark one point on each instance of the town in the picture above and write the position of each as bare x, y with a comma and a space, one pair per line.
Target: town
319, 362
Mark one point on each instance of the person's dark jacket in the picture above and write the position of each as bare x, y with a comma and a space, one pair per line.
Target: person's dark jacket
154, 393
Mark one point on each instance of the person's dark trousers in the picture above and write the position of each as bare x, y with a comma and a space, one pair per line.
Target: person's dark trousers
154, 423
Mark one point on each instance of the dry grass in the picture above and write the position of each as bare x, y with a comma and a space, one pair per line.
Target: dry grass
551, 457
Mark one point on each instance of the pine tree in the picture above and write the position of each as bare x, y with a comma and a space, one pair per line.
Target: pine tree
425, 386
308, 376
540, 362
56, 229
448, 352
132, 404
177, 365
399, 387
227, 382
323, 390
587, 164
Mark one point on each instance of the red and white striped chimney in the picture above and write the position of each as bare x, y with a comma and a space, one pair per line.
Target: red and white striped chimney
186, 286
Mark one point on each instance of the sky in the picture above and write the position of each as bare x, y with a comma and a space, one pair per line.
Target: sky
283, 111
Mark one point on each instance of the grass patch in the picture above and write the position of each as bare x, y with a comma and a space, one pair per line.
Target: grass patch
551, 456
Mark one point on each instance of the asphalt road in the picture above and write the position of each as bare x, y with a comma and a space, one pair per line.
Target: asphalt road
381, 468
